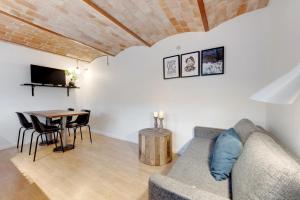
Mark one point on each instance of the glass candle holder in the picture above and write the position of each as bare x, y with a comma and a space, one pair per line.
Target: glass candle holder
155, 122
161, 122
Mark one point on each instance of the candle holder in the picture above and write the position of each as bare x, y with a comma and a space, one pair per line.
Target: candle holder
155, 122
161, 122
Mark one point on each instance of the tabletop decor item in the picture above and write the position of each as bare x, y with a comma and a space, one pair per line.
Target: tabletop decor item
155, 116
212, 61
190, 64
161, 119
171, 67
72, 76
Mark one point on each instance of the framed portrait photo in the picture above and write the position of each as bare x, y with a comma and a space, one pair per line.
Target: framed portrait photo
171, 67
212, 61
190, 64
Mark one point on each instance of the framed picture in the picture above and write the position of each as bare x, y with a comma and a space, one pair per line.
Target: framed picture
190, 64
212, 61
171, 67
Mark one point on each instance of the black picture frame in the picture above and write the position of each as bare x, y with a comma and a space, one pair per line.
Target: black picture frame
177, 58
182, 59
219, 54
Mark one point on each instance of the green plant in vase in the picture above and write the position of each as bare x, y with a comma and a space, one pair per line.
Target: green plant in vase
73, 76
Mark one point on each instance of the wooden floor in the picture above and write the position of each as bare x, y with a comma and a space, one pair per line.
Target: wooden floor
13, 185
107, 169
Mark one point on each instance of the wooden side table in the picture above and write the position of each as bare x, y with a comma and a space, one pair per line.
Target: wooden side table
155, 146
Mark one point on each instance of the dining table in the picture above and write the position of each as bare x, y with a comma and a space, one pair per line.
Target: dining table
62, 114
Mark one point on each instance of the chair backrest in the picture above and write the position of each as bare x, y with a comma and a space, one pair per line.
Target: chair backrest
88, 116
69, 118
37, 125
23, 121
83, 119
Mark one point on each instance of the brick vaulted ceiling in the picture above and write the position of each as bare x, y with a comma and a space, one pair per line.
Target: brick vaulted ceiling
87, 29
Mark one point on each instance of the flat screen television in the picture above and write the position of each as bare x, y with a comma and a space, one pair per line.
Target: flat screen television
47, 75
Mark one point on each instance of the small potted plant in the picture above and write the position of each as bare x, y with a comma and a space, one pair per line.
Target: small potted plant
72, 76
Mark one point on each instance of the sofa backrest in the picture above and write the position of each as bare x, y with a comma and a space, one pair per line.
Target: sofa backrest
265, 171
244, 128
205, 132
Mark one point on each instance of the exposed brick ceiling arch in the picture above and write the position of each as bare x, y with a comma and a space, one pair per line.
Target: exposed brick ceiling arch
87, 29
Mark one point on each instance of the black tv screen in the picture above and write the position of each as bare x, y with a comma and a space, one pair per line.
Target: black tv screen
47, 75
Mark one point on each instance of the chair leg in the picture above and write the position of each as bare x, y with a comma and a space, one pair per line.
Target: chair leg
54, 140
42, 139
80, 132
54, 136
47, 139
90, 133
19, 137
74, 138
23, 140
36, 144
69, 131
61, 142
31, 142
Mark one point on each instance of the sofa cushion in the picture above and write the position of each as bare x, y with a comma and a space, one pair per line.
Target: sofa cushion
192, 168
166, 188
205, 132
226, 151
265, 171
244, 128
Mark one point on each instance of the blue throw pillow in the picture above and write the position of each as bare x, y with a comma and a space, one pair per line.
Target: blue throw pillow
226, 150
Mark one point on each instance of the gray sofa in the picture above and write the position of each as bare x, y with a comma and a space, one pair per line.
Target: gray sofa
264, 171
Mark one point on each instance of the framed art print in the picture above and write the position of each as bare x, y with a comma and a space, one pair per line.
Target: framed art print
190, 64
171, 67
212, 61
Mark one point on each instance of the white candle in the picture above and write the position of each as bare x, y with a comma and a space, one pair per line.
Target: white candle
155, 114
161, 114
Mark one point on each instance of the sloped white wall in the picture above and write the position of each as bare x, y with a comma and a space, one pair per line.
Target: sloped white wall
123, 94
284, 120
15, 63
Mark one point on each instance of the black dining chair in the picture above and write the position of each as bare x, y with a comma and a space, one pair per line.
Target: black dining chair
26, 125
81, 121
69, 118
43, 129
58, 121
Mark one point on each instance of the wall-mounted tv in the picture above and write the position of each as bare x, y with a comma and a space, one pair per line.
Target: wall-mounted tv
47, 75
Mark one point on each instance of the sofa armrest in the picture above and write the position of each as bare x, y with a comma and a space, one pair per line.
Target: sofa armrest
206, 132
165, 188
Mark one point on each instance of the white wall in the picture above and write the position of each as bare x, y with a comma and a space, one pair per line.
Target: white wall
123, 95
14, 63
284, 120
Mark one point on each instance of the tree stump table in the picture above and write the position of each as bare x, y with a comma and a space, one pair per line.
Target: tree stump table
155, 146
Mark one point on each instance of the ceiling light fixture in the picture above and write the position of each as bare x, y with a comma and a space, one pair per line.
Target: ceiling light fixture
77, 70
284, 90
107, 61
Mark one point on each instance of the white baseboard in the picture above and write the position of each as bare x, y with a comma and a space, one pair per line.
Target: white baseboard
7, 146
112, 135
